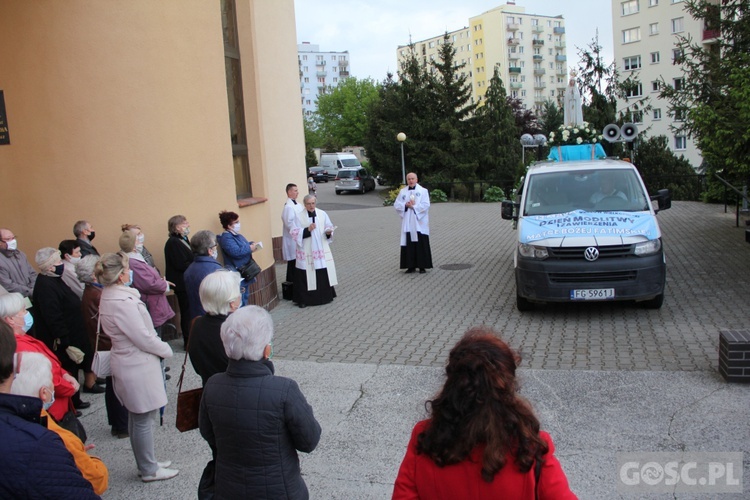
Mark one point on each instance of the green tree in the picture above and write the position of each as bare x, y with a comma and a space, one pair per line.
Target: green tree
713, 94
550, 118
342, 112
498, 149
660, 168
312, 140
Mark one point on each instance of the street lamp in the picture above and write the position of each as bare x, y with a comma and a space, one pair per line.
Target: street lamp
401, 138
529, 141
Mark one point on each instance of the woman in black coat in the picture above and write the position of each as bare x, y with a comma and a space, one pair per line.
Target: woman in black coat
177, 258
254, 421
220, 296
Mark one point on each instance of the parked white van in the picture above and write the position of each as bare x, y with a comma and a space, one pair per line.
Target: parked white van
587, 231
332, 162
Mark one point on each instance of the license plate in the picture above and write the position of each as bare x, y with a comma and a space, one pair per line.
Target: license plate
593, 294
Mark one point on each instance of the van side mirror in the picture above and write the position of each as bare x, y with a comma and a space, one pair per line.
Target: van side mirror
507, 208
664, 199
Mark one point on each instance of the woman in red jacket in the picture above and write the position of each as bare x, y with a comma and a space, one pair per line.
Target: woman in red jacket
483, 439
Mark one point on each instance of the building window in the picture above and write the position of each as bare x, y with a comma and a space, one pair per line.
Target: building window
629, 7
677, 83
657, 114
631, 35
654, 57
653, 28
680, 142
635, 91
676, 56
653, 3
637, 116
679, 115
238, 135
631, 63
678, 25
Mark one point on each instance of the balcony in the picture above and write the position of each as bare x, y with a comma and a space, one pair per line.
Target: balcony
560, 45
558, 31
540, 71
516, 85
321, 73
513, 57
513, 41
540, 99
561, 58
537, 43
537, 57
711, 35
538, 28
320, 63
343, 62
344, 74
540, 85
514, 69
514, 26
561, 71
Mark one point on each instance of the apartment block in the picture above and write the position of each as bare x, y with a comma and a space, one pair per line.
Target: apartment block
528, 49
317, 71
645, 45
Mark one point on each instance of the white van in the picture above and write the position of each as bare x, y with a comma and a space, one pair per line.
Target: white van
587, 231
332, 162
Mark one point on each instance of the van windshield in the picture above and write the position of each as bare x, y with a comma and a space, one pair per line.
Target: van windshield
596, 190
350, 163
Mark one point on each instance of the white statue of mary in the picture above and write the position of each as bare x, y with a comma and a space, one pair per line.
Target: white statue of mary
573, 112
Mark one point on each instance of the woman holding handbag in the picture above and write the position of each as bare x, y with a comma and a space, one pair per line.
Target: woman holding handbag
117, 414
135, 359
237, 251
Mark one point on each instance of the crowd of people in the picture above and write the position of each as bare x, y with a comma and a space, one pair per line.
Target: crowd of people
481, 439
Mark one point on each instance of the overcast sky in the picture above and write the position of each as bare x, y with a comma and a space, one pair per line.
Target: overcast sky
371, 30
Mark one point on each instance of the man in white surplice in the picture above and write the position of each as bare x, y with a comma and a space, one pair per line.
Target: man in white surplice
413, 206
315, 273
289, 218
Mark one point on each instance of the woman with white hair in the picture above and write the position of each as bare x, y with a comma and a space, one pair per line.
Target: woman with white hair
13, 311
254, 421
135, 356
117, 414
33, 378
220, 296
58, 319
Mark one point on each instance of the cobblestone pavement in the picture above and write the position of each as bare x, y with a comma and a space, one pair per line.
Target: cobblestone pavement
382, 316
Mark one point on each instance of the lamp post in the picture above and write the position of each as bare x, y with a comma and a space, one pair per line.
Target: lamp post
529, 141
401, 137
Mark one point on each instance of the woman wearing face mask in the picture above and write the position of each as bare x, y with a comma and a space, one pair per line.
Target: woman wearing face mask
70, 251
13, 311
139, 246
135, 359
177, 258
59, 322
236, 249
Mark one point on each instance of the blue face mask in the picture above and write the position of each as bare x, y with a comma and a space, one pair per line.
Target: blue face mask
48, 404
59, 270
28, 321
130, 278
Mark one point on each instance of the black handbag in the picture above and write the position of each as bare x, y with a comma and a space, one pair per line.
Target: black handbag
249, 270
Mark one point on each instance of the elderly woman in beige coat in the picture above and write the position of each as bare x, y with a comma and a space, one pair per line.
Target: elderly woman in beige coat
135, 359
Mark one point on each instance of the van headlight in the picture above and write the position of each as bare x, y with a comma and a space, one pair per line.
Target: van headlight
648, 247
532, 252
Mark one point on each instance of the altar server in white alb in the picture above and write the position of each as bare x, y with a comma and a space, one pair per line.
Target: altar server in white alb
413, 206
289, 218
315, 272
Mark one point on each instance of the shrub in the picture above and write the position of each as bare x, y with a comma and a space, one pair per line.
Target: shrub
437, 196
494, 194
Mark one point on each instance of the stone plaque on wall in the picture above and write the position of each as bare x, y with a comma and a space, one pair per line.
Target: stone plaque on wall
4, 134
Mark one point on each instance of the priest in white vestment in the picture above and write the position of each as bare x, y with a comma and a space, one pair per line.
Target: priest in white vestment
315, 271
413, 206
289, 219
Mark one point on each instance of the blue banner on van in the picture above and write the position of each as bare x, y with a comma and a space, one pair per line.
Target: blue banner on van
583, 223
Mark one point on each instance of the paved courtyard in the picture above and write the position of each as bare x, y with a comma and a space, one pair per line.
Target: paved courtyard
383, 316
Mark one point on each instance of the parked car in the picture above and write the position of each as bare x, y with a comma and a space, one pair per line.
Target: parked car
354, 179
319, 174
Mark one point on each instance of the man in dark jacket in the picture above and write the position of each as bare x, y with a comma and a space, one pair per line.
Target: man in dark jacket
255, 436
34, 461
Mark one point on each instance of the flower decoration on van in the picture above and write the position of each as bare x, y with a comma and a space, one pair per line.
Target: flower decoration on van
574, 135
